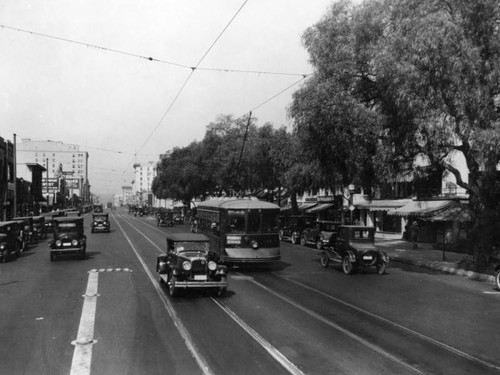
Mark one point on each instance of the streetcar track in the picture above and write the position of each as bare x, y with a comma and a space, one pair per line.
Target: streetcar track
380, 318
275, 353
202, 363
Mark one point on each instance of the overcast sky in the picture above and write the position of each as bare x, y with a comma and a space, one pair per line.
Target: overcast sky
55, 84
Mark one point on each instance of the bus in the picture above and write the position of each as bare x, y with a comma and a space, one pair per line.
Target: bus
241, 231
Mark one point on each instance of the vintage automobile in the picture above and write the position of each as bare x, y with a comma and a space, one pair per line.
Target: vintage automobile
68, 237
291, 226
354, 248
39, 227
165, 217
100, 223
178, 218
9, 240
26, 231
321, 233
189, 263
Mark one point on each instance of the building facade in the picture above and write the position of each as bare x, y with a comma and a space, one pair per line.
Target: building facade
141, 186
62, 162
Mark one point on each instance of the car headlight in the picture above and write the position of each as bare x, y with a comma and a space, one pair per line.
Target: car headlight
186, 265
74, 243
95, 222
58, 243
212, 266
255, 245
3, 246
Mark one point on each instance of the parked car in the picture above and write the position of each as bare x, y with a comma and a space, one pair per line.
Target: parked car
321, 233
68, 237
354, 248
26, 232
189, 263
39, 227
100, 223
291, 226
178, 218
165, 217
9, 240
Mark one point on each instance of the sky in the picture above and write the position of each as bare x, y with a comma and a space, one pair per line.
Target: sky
79, 72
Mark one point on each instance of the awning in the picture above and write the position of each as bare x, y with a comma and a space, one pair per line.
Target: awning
319, 207
421, 208
382, 204
454, 212
305, 206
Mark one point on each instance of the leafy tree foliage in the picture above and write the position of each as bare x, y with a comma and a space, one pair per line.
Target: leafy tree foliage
400, 79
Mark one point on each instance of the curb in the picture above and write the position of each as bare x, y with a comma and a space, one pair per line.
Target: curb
447, 269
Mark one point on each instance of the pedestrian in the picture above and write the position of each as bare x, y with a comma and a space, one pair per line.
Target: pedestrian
414, 229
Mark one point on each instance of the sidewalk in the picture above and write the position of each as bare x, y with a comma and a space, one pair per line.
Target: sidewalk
425, 256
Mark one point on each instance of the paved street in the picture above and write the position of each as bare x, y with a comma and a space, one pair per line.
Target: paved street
295, 318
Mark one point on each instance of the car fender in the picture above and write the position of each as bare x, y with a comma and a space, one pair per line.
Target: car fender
221, 270
351, 255
497, 268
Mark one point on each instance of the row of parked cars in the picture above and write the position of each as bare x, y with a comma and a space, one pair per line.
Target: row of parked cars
351, 246
65, 227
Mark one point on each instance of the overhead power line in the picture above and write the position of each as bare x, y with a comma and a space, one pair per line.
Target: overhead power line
149, 58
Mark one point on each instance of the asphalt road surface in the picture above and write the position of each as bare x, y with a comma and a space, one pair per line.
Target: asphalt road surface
108, 314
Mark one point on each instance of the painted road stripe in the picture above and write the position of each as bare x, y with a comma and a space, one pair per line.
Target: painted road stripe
82, 355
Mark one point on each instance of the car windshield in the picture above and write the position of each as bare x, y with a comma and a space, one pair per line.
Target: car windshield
66, 227
191, 246
362, 235
100, 217
330, 227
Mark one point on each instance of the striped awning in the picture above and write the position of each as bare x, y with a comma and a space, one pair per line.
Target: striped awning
421, 208
319, 207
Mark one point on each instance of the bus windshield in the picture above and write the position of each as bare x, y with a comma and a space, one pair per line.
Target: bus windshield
236, 221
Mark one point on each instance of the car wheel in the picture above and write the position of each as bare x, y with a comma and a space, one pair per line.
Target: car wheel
381, 267
281, 235
294, 238
324, 259
497, 279
319, 244
172, 289
347, 265
221, 292
82, 254
303, 240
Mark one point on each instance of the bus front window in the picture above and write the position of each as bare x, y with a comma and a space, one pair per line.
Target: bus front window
236, 222
270, 222
254, 222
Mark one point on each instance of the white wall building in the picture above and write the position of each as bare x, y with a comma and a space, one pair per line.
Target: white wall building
143, 179
60, 160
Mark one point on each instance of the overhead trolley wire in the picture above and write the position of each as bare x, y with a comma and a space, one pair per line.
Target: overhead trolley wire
149, 58
189, 77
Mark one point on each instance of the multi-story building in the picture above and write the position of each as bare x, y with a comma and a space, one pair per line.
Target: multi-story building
127, 195
7, 179
143, 179
61, 161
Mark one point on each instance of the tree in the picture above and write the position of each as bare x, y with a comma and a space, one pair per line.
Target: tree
416, 79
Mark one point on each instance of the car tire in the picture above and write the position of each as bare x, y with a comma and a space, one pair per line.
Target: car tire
303, 240
348, 266
172, 289
221, 292
381, 267
497, 279
319, 244
294, 238
325, 261
281, 235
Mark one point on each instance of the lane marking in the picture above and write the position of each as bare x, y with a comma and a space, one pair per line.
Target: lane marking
275, 353
202, 363
394, 324
82, 355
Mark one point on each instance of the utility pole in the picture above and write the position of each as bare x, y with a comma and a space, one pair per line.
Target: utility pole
14, 209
